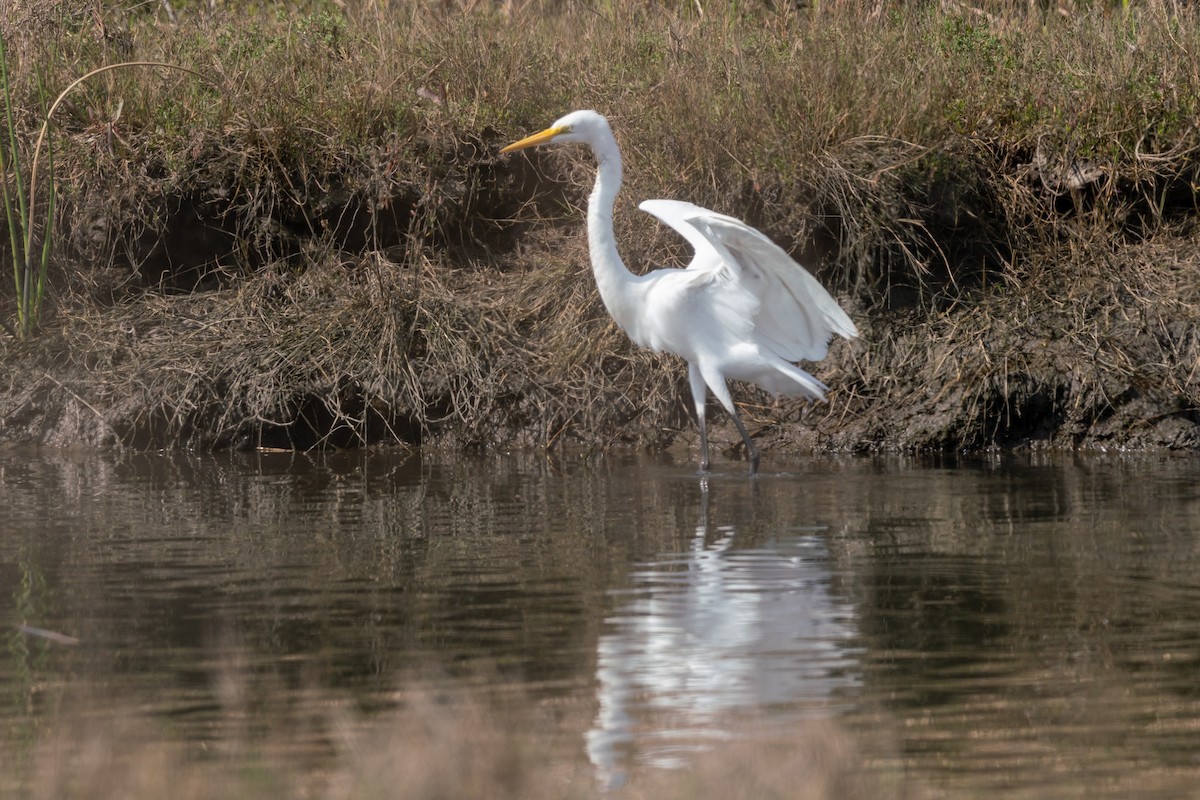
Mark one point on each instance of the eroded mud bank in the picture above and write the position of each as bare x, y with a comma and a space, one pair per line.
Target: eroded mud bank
371, 310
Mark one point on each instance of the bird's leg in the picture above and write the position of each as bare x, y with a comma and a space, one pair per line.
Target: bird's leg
751, 450
699, 393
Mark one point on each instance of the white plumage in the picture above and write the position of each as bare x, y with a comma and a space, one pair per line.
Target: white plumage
743, 308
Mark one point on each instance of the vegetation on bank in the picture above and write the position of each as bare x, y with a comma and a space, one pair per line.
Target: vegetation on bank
319, 245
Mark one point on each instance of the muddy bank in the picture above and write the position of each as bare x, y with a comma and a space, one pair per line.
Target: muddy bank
489, 332
318, 245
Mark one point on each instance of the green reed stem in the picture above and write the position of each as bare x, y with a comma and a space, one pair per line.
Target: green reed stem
14, 216
29, 267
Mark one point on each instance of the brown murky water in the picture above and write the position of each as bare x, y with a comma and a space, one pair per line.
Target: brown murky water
1003, 628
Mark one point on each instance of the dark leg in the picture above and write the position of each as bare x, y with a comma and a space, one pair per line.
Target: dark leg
699, 392
751, 450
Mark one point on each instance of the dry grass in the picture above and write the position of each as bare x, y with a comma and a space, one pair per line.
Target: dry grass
321, 247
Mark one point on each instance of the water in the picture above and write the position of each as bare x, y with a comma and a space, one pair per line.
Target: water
999, 628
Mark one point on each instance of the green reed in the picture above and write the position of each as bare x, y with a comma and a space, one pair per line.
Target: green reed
30, 262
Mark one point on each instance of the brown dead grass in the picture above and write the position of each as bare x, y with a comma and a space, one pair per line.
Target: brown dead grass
326, 250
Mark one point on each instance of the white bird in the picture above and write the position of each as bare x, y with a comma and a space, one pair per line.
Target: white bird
742, 309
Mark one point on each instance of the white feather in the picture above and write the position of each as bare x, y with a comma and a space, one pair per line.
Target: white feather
743, 309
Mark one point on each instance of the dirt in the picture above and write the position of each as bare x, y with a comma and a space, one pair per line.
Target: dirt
463, 313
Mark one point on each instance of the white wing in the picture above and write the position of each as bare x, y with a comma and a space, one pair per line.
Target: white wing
678, 214
796, 316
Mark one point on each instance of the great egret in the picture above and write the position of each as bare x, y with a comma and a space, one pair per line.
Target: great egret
742, 309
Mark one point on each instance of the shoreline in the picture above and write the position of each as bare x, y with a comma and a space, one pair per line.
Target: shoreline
346, 260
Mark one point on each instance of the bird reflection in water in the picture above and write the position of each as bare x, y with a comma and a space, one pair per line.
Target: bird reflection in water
715, 631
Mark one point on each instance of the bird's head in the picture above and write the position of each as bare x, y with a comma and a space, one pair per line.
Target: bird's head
587, 127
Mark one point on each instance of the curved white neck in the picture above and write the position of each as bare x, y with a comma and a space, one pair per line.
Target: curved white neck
614, 280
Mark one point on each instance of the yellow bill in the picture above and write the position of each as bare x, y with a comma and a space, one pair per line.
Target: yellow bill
536, 139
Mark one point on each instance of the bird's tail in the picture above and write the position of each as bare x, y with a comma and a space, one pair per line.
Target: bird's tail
790, 381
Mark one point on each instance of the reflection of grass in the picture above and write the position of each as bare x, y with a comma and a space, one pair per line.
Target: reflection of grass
437, 745
27, 657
